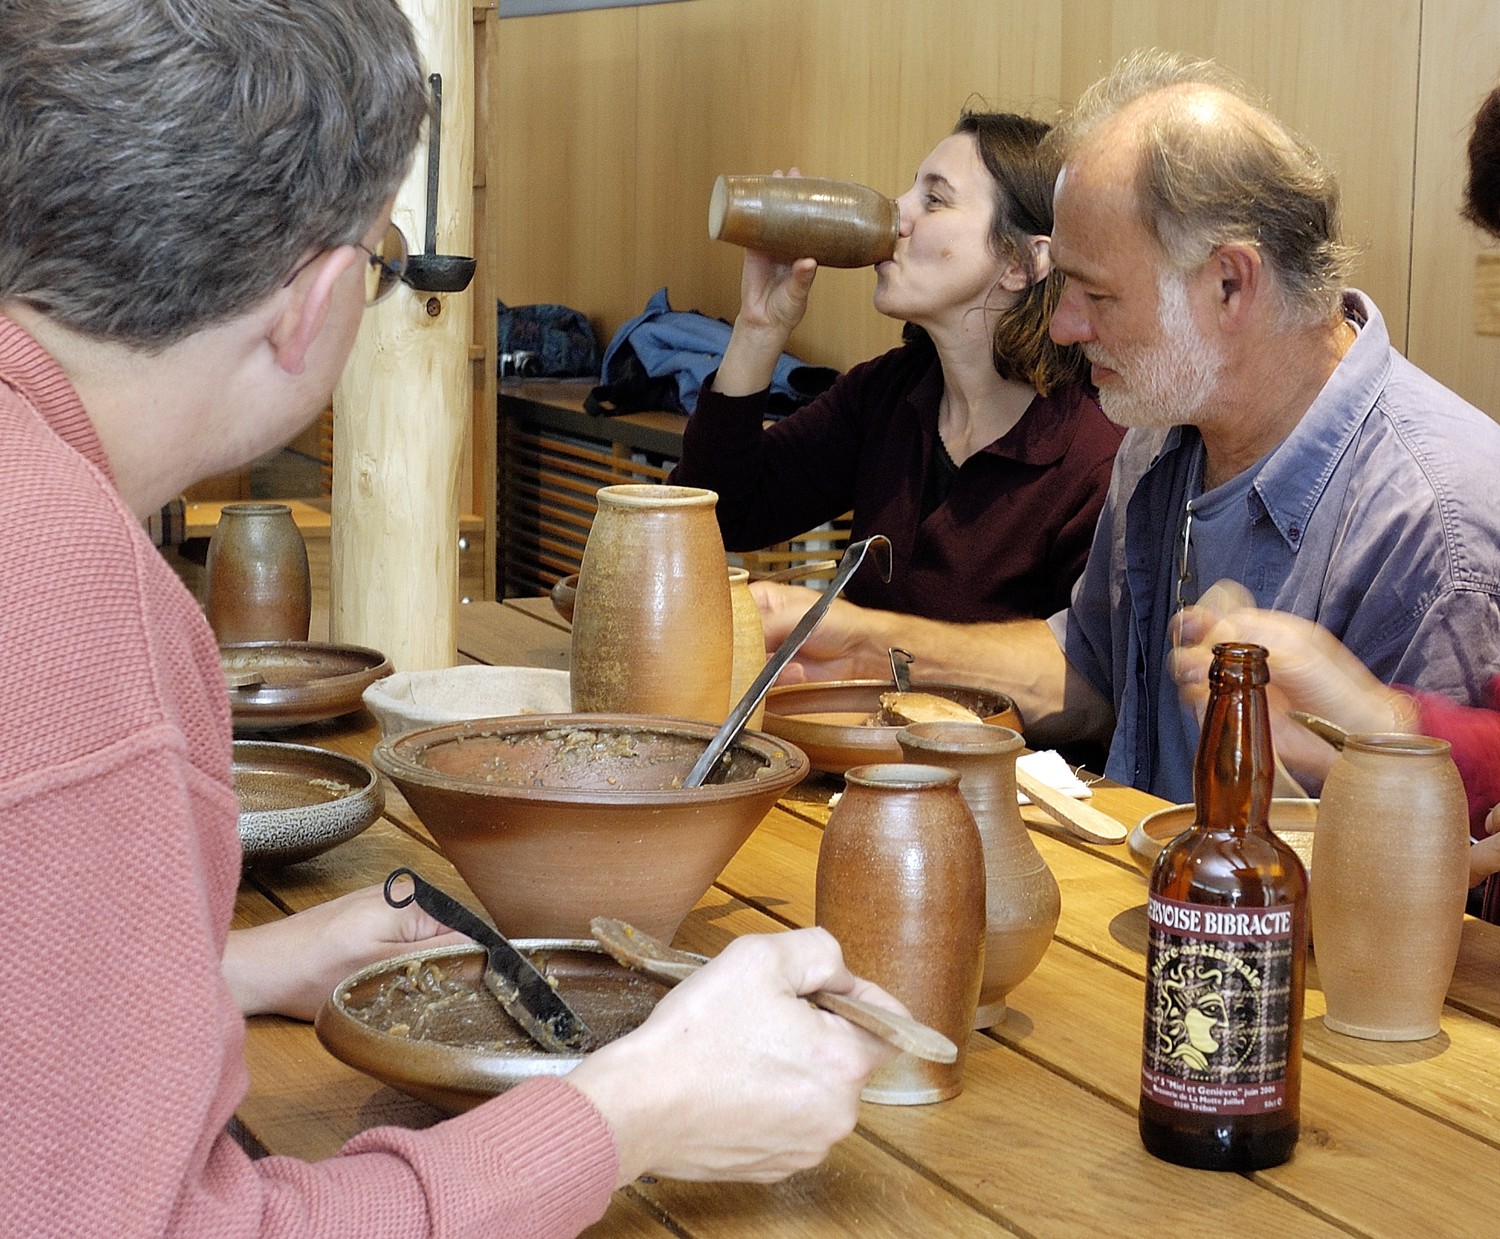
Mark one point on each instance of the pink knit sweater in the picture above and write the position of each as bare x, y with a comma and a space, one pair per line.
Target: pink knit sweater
120, 1046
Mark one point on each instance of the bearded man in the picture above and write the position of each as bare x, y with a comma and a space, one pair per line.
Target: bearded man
1276, 438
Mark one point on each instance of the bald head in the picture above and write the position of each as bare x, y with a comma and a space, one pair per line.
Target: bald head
1205, 166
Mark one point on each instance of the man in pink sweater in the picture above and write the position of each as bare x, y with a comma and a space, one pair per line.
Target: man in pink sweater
196, 206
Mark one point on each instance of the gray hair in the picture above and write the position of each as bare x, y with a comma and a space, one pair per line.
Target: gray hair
1241, 177
167, 163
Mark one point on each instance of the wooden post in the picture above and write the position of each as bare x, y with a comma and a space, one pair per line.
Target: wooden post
403, 404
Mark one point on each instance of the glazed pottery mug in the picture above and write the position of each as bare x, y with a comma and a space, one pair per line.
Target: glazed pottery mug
257, 584
1388, 884
839, 223
652, 620
900, 884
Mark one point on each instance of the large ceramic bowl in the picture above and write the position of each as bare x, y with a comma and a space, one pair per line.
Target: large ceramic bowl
1293, 820
425, 1024
555, 819
411, 699
829, 719
297, 801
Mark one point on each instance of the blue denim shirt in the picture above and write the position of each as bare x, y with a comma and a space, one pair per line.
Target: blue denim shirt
1375, 517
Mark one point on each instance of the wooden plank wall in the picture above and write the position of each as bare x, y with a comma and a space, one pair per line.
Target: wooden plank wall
609, 127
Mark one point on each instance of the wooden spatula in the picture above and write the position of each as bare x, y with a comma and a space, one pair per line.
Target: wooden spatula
639, 950
1082, 819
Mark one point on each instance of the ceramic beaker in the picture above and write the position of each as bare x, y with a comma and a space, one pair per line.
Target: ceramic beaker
652, 622
257, 586
1389, 880
1022, 901
900, 884
839, 223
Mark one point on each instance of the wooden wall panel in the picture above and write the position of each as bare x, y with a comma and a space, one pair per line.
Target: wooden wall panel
618, 121
1460, 63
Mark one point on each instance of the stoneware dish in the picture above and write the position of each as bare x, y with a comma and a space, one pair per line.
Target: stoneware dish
425, 1024
297, 801
293, 683
829, 720
1294, 820
555, 819
411, 699
564, 594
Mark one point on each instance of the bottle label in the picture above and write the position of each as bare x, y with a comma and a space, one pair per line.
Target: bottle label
1218, 989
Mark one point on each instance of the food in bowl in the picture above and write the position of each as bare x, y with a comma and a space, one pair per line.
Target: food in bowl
904, 709
424, 1023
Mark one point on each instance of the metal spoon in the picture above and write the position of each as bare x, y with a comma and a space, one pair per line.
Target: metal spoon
854, 555
639, 950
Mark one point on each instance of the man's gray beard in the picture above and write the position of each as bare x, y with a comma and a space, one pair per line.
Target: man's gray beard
1170, 383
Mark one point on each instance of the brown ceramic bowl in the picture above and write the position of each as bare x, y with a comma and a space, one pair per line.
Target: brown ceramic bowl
1294, 820
827, 719
302, 681
458, 1054
555, 819
564, 594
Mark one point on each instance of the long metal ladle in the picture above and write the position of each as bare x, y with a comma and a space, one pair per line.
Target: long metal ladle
854, 555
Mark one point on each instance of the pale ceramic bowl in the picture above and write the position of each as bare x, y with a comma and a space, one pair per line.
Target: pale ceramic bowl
555, 819
469, 1049
1293, 820
411, 699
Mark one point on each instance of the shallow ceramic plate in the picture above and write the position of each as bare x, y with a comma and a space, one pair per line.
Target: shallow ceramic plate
297, 801
1294, 820
304, 681
827, 719
442, 1037
411, 699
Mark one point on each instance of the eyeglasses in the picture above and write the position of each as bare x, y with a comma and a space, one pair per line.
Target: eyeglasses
387, 264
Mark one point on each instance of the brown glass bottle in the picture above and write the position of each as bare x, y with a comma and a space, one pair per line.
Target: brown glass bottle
1221, 1064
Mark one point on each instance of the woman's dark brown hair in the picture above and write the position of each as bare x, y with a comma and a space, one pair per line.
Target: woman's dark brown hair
1482, 196
1011, 148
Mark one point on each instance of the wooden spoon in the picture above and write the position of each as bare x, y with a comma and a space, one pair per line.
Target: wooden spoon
639, 950
1083, 820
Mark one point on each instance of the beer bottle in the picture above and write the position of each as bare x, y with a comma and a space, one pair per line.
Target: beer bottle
1221, 1063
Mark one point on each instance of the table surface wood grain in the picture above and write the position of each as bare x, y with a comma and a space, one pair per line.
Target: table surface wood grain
1398, 1139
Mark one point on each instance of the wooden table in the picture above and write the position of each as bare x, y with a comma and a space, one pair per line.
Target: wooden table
1398, 1140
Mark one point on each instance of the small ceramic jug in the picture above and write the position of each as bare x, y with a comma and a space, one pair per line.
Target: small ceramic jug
1022, 901
1389, 879
901, 885
839, 223
652, 623
749, 643
256, 582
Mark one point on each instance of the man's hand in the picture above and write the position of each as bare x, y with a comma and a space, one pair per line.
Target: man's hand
734, 1076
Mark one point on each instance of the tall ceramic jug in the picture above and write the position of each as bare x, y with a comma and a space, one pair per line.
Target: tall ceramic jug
257, 585
652, 627
1389, 879
749, 643
839, 223
1022, 901
901, 885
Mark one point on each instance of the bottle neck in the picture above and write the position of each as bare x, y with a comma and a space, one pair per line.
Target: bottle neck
1233, 771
